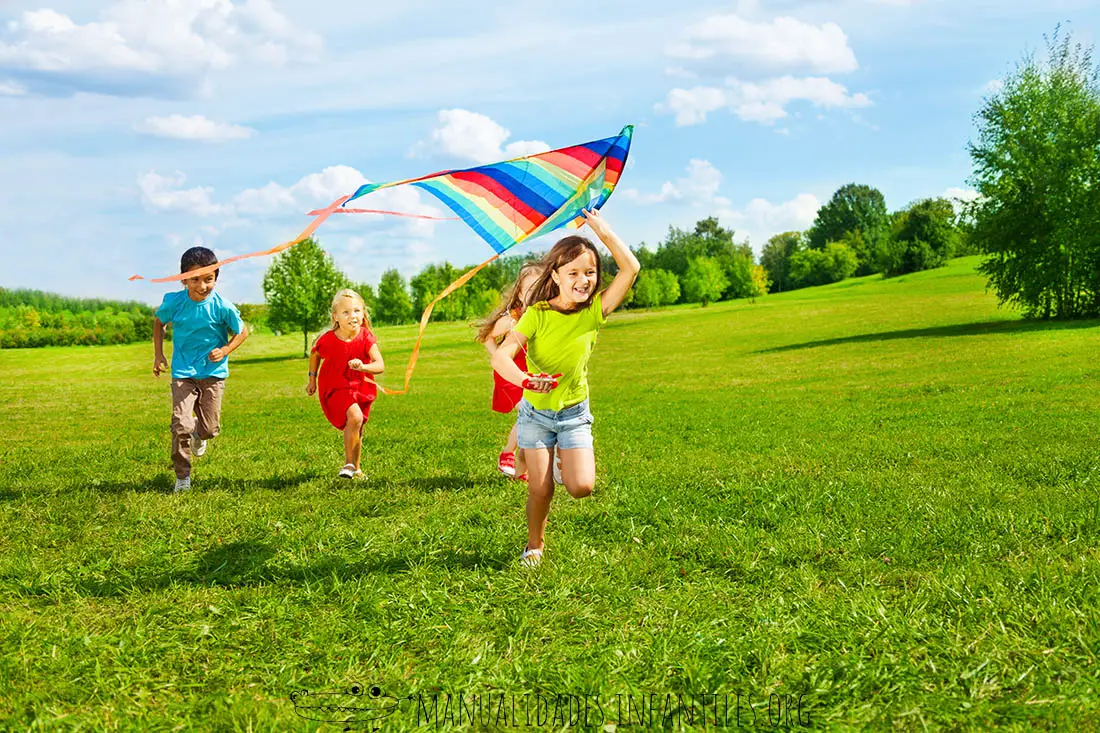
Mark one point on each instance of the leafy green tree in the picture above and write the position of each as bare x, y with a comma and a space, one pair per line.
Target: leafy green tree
776, 258
924, 235
392, 304
655, 288
704, 281
299, 286
1037, 172
367, 293
670, 287
811, 267
853, 208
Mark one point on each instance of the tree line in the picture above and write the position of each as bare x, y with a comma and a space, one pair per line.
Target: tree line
31, 318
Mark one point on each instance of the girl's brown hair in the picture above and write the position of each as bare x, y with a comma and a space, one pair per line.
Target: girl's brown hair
561, 254
512, 300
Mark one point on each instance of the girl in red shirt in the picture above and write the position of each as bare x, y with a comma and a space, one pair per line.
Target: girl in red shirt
346, 354
506, 395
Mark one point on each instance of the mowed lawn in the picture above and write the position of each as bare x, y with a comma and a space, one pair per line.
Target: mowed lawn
880, 497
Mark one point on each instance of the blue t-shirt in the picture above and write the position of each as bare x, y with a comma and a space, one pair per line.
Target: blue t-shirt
199, 328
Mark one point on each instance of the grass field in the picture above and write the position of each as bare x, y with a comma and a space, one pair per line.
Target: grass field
880, 499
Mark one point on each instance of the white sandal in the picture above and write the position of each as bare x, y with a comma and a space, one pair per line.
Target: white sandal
348, 471
530, 558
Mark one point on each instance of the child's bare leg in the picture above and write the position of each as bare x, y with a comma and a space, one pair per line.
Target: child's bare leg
353, 435
578, 471
510, 444
540, 490
521, 462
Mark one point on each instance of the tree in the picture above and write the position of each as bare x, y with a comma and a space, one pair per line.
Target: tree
704, 281
759, 282
738, 270
392, 303
923, 236
655, 288
853, 208
299, 287
811, 267
776, 258
1037, 173
366, 292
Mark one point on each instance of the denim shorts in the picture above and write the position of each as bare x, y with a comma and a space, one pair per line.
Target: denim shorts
568, 428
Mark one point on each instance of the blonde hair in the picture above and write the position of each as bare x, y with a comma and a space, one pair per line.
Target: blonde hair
349, 293
510, 302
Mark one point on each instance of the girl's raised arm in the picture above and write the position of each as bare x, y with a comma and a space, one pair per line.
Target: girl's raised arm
624, 258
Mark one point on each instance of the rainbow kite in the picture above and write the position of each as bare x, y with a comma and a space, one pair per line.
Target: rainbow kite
521, 198
505, 203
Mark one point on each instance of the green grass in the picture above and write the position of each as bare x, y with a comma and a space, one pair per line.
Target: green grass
881, 495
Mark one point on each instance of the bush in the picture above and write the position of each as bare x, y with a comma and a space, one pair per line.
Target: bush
832, 264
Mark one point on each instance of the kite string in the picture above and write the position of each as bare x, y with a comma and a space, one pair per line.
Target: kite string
427, 314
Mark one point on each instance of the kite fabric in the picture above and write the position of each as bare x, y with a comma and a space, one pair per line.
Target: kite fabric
505, 203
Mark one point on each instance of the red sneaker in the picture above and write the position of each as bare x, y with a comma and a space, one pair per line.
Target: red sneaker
506, 464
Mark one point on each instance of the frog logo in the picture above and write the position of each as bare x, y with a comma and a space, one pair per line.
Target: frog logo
356, 707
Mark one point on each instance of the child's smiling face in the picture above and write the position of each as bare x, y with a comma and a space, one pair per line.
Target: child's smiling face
577, 279
348, 315
200, 287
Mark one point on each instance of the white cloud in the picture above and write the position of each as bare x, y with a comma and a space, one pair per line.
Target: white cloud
692, 105
195, 127
12, 89
760, 219
135, 39
163, 193
783, 43
960, 194
993, 86
476, 137
763, 102
699, 186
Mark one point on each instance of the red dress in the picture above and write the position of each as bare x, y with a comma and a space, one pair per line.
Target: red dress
505, 394
339, 387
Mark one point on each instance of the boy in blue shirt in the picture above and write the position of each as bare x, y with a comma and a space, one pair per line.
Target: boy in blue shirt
207, 329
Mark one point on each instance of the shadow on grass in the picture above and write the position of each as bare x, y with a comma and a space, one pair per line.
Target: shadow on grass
248, 563
960, 329
267, 359
164, 482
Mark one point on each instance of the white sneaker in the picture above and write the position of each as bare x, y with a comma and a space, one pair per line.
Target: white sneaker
182, 484
198, 447
557, 467
530, 558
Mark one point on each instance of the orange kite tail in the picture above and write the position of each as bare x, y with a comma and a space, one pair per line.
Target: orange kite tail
322, 214
427, 314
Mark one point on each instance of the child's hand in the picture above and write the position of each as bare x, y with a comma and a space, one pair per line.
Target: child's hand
218, 354
593, 219
542, 383
356, 365
311, 386
159, 365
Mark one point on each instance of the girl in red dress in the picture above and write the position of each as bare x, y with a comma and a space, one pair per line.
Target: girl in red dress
505, 394
346, 354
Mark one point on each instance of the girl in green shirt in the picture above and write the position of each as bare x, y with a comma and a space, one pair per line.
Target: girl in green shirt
557, 332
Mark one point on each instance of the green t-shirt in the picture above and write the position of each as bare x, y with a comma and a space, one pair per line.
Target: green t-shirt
560, 343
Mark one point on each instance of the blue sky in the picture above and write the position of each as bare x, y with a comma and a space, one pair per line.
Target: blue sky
134, 129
